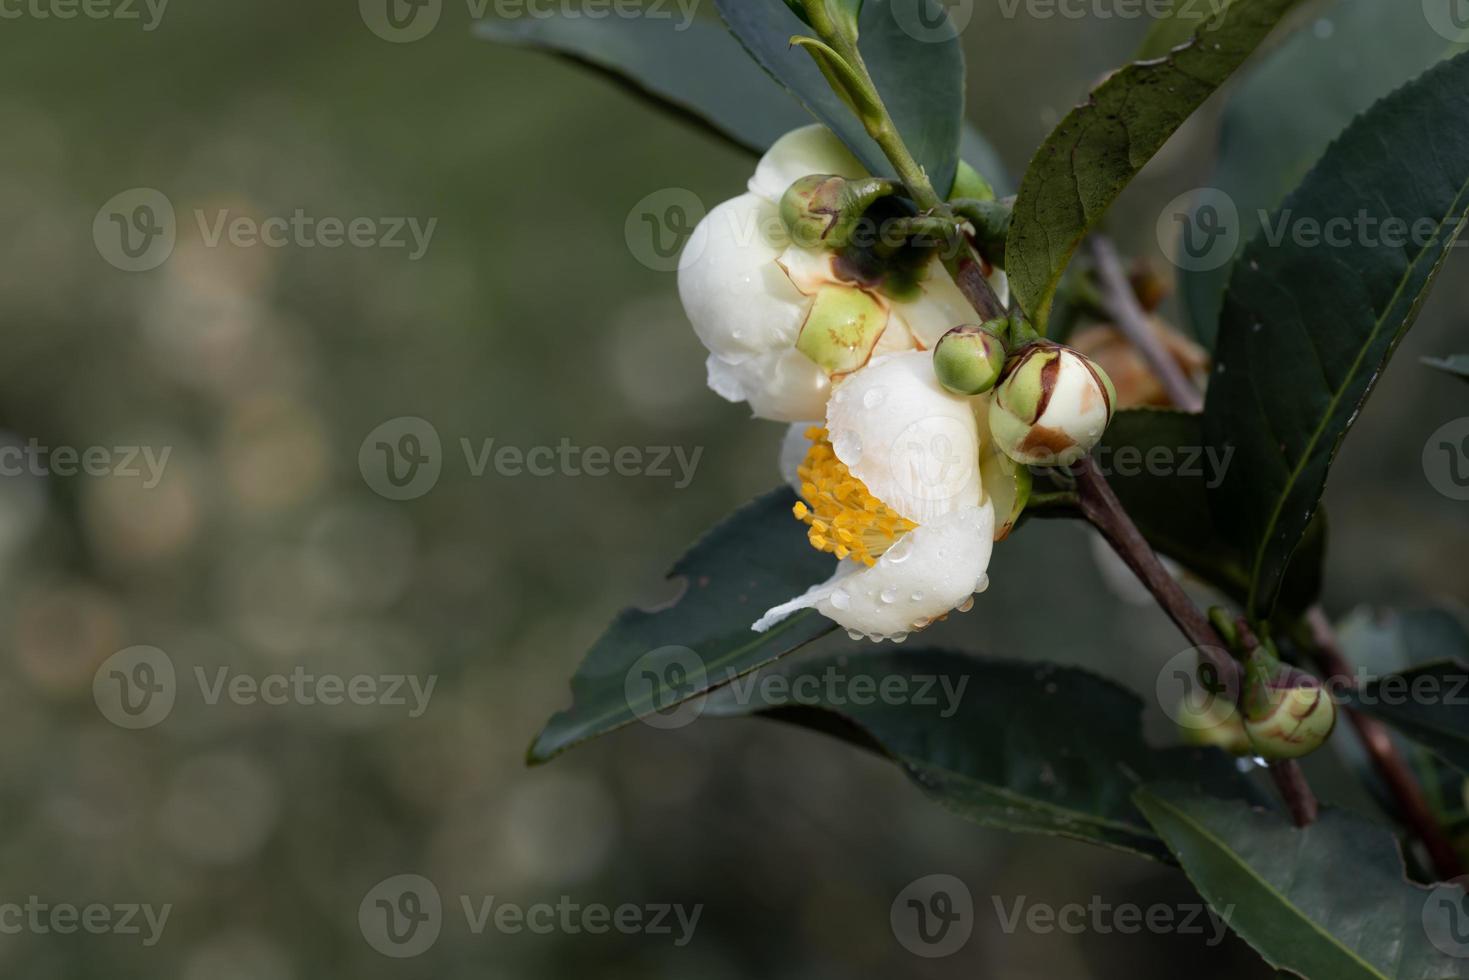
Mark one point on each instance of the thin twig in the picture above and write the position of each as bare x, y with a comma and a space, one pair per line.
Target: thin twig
1100, 506
1128, 315
1290, 780
1386, 759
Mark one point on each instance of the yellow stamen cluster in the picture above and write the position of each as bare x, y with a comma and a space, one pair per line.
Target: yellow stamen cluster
845, 519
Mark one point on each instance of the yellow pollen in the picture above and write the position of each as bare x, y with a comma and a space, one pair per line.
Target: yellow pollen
844, 518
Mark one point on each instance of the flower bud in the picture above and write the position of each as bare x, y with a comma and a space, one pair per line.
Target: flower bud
842, 328
1051, 407
1287, 712
968, 359
824, 210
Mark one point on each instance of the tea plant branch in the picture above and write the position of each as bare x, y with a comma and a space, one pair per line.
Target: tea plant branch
1120, 301
1386, 759
1121, 305
1100, 506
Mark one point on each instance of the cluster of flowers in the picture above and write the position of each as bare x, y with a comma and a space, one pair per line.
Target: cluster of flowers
912, 426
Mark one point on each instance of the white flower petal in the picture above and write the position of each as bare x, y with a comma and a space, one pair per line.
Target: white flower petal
740, 302
812, 149
942, 306
809, 268
928, 573
793, 450
913, 445
783, 385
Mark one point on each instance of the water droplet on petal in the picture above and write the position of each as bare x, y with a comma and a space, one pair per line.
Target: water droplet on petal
889, 596
854, 635
841, 599
874, 397
965, 606
984, 583
847, 444
900, 638
900, 551
918, 597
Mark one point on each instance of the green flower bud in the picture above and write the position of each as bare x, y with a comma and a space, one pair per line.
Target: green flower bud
823, 210
968, 359
1215, 723
1287, 712
842, 328
1052, 405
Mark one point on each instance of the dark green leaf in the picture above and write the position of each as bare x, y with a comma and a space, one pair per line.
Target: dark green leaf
799, 9
1329, 902
1287, 109
1102, 144
1308, 326
922, 81
1453, 364
1389, 642
1177, 26
1019, 746
1161, 468
1429, 704
650, 661
696, 69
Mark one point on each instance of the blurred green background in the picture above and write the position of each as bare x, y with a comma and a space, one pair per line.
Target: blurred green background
529, 321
